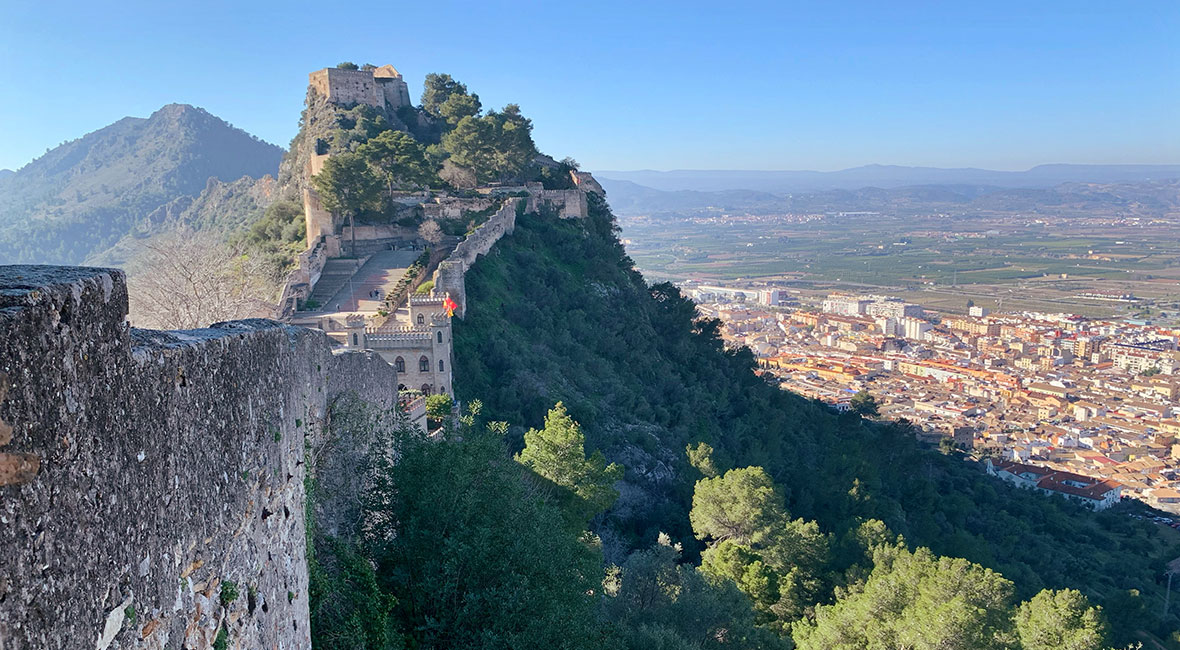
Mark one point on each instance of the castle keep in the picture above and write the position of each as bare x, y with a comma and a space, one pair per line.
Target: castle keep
378, 87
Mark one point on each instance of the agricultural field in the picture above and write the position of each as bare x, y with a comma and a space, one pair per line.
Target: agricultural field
1011, 262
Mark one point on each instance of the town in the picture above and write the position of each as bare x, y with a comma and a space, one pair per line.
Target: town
1070, 405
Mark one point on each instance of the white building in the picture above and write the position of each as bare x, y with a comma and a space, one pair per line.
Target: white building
915, 329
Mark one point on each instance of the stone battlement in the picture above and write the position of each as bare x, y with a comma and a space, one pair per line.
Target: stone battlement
143, 469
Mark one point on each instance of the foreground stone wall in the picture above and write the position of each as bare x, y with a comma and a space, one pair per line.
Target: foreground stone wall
145, 475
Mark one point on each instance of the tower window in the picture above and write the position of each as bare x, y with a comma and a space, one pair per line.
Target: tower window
355, 340
421, 319
439, 336
440, 365
423, 365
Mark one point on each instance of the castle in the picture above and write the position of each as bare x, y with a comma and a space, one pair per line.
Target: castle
414, 337
381, 87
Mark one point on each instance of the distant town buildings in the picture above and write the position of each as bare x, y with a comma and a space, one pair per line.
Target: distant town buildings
1089, 405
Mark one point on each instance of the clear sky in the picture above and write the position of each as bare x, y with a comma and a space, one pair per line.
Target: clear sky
631, 85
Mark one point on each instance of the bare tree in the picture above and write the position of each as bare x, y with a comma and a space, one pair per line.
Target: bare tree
184, 279
431, 232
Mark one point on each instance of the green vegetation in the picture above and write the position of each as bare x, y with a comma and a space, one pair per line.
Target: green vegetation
278, 237
129, 616
656, 601
229, 592
864, 404
399, 159
498, 146
221, 641
439, 406
557, 452
480, 559
347, 185
559, 314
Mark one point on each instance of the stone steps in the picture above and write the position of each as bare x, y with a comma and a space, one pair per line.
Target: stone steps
335, 276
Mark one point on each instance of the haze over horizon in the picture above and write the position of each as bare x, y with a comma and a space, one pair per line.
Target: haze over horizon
751, 87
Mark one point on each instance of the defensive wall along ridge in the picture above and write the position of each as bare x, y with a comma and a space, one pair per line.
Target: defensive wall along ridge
153, 482
449, 276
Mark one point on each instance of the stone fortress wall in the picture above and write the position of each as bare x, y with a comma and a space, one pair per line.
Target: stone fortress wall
448, 277
142, 471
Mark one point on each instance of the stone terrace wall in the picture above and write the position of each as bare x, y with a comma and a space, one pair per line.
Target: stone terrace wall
448, 278
141, 471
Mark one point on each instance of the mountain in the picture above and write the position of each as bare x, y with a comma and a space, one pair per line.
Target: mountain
1148, 198
84, 195
5, 173
887, 176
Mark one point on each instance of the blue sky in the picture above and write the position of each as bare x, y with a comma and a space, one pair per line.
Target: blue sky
630, 85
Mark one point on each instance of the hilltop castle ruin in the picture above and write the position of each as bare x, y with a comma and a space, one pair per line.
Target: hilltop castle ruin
381, 87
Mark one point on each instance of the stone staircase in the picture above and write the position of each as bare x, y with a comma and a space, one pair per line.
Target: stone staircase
381, 271
333, 278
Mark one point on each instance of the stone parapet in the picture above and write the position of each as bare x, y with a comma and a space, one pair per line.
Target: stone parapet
146, 473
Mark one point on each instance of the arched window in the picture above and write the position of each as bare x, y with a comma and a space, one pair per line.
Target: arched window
355, 340
440, 366
401, 388
421, 319
442, 390
399, 364
423, 364
425, 389
439, 336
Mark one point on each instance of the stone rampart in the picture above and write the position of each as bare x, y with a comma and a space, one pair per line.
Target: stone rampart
153, 482
448, 278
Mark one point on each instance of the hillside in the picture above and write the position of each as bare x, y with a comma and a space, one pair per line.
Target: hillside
558, 313
84, 195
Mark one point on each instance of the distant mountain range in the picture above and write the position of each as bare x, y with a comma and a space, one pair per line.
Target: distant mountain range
83, 196
887, 176
1152, 198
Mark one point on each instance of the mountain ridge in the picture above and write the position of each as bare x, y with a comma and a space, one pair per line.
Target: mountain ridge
83, 195
1147, 198
887, 177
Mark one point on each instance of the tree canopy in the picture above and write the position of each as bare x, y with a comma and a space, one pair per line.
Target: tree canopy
399, 159
557, 452
347, 184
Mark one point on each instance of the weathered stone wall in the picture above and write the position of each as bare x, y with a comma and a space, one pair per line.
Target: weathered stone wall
319, 221
448, 278
347, 86
143, 472
568, 204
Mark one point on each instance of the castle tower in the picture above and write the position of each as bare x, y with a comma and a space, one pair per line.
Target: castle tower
354, 331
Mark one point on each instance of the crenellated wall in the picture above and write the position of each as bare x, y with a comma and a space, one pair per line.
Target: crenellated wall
143, 472
448, 278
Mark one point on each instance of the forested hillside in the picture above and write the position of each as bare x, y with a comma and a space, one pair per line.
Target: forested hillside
557, 312
82, 196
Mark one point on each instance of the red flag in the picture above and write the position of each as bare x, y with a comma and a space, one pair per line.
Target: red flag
450, 306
